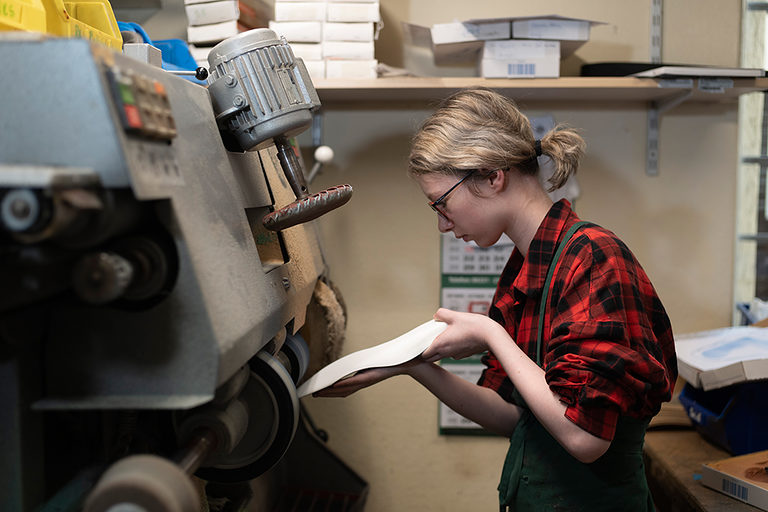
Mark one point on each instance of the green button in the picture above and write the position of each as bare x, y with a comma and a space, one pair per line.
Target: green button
126, 94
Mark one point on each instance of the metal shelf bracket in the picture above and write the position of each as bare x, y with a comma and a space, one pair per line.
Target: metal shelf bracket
655, 109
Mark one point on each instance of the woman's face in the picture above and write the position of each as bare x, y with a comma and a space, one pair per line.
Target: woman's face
466, 214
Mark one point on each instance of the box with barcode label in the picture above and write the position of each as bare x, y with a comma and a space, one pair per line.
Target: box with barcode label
520, 59
744, 478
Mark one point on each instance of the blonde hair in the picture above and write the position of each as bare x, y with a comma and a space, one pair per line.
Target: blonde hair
478, 128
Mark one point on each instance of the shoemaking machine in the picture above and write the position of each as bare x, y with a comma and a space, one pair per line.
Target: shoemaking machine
157, 263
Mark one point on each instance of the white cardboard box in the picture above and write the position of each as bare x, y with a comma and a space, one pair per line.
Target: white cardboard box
352, 31
350, 68
722, 357
212, 33
353, 11
456, 46
212, 12
349, 50
200, 53
551, 28
511, 58
519, 68
520, 49
298, 31
300, 11
315, 68
307, 51
742, 478
460, 32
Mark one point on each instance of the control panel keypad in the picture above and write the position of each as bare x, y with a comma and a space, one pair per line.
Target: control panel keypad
142, 103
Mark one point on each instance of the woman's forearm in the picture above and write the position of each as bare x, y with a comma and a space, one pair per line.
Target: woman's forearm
476, 403
530, 381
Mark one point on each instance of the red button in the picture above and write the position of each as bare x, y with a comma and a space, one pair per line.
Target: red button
132, 116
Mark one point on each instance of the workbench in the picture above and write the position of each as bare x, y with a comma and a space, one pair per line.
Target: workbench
673, 460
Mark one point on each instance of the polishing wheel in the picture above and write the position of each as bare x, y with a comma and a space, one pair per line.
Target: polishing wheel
273, 410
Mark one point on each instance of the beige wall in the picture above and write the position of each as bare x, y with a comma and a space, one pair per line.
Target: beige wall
383, 247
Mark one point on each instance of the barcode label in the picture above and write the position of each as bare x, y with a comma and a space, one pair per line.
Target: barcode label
521, 69
735, 490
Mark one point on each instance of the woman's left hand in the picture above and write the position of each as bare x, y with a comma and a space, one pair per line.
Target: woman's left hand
467, 334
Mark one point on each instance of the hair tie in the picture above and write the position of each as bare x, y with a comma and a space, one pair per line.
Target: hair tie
537, 147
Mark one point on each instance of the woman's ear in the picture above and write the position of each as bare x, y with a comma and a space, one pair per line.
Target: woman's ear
497, 180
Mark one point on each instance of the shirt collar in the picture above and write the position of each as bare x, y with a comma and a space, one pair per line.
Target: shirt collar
533, 272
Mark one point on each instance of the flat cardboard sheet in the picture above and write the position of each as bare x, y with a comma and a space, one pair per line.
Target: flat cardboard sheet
391, 353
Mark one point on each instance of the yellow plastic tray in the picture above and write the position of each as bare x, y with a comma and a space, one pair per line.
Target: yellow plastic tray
92, 20
26, 15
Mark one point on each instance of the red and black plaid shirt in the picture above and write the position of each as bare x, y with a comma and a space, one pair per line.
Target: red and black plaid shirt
607, 348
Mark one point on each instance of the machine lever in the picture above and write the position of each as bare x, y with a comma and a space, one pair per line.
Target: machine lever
308, 208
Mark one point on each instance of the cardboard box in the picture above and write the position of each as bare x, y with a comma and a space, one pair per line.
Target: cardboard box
348, 50
743, 478
461, 42
722, 357
315, 68
461, 32
212, 12
307, 51
353, 11
212, 33
299, 31
512, 58
200, 53
551, 28
300, 11
352, 31
351, 68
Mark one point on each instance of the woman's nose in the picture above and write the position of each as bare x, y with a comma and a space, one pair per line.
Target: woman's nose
444, 224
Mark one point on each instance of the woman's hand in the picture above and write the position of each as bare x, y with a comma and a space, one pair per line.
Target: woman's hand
467, 334
365, 378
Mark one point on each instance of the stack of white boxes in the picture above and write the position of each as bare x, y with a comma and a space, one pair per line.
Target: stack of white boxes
334, 39
208, 24
536, 47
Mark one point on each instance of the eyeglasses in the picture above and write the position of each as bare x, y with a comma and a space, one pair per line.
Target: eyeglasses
436, 204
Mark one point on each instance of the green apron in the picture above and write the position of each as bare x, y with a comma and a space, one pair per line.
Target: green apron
540, 475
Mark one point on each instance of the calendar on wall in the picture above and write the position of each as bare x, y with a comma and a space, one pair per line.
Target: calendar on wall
468, 282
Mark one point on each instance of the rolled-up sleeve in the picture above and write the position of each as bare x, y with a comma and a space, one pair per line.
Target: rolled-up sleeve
605, 358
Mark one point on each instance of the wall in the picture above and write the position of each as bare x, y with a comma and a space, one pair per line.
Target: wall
383, 247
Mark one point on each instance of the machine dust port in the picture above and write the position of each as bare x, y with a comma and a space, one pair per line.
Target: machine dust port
269, 244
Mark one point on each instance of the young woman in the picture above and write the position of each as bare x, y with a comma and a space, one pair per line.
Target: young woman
580, 353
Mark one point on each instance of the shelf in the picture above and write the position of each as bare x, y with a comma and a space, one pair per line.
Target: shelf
566, 89
657, 95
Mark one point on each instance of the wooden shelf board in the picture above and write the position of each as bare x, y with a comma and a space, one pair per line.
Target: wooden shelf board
566, 89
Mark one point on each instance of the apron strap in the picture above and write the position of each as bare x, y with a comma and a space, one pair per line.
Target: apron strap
548, 283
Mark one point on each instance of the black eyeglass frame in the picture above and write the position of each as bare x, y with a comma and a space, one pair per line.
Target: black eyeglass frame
435, 205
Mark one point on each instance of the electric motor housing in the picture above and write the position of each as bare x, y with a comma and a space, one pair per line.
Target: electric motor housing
259, 90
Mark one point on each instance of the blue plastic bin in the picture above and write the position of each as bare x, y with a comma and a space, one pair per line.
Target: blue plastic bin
734, 418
